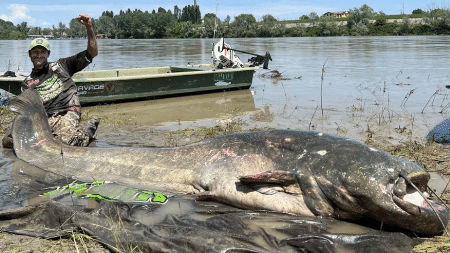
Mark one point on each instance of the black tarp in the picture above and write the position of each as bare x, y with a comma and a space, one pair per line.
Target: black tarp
181, 224
440, 133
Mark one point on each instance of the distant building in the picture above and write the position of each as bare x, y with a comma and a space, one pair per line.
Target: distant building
39, 36
195, 2
337, 14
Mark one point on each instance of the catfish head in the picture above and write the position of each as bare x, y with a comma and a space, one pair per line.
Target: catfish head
354, 179
349, 180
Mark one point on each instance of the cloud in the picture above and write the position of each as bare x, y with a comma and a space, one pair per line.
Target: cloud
18, 13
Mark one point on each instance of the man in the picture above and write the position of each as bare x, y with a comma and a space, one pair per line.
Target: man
58, 91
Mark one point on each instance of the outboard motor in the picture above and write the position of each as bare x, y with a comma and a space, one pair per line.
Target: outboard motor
224, 55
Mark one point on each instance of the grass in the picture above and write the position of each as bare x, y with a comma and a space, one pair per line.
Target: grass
6, 118
437, 244
74, 242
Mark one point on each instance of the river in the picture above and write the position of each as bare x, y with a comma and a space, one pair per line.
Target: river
340, 85
341, 75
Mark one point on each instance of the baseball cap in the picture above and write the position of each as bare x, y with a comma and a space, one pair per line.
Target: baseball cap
40, 42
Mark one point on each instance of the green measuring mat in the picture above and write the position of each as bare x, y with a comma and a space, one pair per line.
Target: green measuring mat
104, 190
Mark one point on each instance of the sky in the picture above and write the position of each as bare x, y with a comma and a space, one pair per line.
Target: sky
51, 12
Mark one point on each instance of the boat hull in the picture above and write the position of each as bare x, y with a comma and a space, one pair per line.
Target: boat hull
107, 86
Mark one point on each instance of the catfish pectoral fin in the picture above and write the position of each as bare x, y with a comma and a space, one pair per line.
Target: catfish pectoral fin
267, 189
271, 182
281, 177
315, 199
198, 187
207, 195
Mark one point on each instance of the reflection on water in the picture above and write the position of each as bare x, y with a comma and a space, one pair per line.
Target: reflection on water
179, 109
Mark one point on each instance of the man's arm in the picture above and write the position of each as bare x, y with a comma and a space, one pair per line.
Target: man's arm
86, 20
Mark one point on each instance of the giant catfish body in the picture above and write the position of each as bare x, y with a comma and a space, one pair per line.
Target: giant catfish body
304, 173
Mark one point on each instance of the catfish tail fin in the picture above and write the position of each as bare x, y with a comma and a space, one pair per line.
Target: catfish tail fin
30, 130
26, 103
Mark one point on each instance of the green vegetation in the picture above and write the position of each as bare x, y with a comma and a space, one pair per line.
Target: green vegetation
188, 23
6, 118
9, 31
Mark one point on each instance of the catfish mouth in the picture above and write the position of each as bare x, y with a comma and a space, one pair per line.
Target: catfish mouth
410, 195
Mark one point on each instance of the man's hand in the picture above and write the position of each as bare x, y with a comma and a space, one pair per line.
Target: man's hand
85, 19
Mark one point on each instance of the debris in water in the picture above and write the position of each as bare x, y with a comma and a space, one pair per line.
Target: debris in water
275, 74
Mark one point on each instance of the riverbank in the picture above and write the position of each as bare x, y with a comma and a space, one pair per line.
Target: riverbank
123, 130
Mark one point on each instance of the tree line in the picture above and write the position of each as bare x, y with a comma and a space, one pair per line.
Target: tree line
188, 23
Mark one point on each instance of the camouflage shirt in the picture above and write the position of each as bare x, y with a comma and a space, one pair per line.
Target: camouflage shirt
54, 83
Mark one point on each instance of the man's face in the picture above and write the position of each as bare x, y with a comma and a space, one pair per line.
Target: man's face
39, 56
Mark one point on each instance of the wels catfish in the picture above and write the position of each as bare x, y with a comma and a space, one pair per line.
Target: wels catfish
305, 173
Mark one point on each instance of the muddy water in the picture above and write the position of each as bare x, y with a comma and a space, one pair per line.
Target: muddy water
178, 111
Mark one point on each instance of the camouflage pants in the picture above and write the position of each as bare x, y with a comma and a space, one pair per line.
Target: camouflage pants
66, 127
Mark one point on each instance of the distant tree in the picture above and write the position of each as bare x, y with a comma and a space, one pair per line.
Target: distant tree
405, 28
360, 15
417, 11
436, 16
46, 31
269, 19
211, 16
304, 17
76, 29
34, 30
242, 26
108, 14
9, 31
313, 16
191, 13
244, 20
23, 28
211, 23
298, 31
60, 30
227, 19
380, 22
177, 12
104, 25
269, 28
360, 29
327, 28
